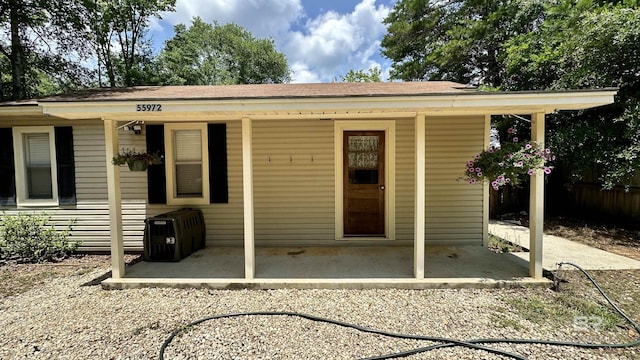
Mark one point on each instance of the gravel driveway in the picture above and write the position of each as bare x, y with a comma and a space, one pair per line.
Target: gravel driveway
62, 319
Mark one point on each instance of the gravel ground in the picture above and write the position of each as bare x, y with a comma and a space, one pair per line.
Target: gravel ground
63, 319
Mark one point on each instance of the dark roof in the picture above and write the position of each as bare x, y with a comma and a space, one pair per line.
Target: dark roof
262, 91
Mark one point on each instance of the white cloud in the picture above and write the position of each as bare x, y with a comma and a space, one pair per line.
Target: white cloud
264, 18
302, 74
318, 49
332, 43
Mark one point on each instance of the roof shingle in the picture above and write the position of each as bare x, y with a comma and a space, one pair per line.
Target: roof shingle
258, 91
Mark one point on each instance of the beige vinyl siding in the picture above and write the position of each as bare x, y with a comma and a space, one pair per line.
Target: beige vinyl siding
294, 190
453, 208
224, 222
405, 179
90, 214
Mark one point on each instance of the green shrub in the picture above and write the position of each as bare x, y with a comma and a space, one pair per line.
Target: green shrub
28, 237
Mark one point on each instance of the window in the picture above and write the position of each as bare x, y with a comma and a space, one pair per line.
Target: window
35, 162
187, 164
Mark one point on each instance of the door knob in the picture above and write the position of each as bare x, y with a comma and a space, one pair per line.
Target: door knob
381, 187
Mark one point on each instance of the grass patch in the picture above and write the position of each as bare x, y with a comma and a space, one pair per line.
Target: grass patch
502, 321
565, 308
500, 245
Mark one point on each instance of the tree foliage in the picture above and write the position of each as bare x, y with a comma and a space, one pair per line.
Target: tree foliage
119, 29
42, 47
206, 54
535, 45
371, 75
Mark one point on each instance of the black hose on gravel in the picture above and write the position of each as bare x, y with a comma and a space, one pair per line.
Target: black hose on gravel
475, 344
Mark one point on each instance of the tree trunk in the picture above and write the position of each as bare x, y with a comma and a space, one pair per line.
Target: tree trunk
17, 54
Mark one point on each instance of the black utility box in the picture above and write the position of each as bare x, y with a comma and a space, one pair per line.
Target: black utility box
174, 235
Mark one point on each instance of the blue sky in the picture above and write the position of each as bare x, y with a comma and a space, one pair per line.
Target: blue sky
322, 39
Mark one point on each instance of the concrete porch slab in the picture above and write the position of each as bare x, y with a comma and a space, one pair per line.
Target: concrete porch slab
332, 267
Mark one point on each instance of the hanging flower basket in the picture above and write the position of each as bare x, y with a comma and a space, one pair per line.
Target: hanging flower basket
507, 164
137, 161
137, 165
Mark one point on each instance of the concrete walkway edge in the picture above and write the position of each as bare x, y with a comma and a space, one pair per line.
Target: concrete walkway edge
556, 249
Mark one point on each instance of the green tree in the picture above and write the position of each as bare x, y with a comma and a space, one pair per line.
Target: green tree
42, 47
535, 45
454, 40
119, 37
206, 54
587, 44
371, 75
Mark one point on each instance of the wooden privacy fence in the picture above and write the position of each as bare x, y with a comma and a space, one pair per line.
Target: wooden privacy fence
616, 203
581, 200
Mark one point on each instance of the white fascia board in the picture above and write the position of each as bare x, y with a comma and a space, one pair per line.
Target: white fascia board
477, 103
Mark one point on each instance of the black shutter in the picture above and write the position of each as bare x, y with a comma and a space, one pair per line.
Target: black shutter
156, 178
7, 168
218, 183
65, 165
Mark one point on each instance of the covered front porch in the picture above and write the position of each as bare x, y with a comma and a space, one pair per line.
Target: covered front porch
333, 267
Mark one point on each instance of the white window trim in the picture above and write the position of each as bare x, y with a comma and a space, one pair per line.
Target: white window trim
389, 127
170, 168
21, 175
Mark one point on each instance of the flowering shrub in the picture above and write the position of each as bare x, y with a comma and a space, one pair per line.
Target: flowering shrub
504, 165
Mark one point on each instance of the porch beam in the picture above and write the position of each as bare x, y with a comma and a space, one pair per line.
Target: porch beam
247, 192
115, 199
536, 203
419, 211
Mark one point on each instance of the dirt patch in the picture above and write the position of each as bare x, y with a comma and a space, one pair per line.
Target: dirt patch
615, 239
17, 278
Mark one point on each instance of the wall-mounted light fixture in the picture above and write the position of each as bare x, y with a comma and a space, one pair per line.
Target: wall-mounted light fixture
135, 126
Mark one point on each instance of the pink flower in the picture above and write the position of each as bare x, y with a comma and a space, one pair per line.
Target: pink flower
528, 146
519, 164
470, 163
477, 156
494, 184
471, 169
548, 151
496, 188
515, 139
530, 172
547, 170
507, 180
479, 174
478, 169
511, 130
490, 150
472, 181
501, 164
500, 178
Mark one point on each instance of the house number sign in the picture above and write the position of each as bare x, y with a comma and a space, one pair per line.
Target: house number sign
148, 107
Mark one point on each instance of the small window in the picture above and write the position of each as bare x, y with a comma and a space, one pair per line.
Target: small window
35, 159
187, 164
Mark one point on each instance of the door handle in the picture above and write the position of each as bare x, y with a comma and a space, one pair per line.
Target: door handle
381, 187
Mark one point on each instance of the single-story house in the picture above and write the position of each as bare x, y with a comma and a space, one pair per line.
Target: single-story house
332, 164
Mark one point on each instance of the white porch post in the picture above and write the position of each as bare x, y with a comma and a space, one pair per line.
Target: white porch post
247, 192
485, 186
536, 203
115, 199
419, 209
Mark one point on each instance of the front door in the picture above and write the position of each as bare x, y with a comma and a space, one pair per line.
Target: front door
363, 188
